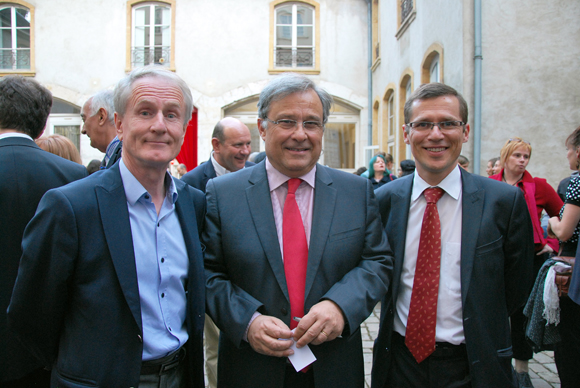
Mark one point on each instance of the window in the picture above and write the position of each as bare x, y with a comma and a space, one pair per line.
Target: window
16, 29
406, 13
432, 65
405, 89
434, 70
375, 31
295, 37
152, 33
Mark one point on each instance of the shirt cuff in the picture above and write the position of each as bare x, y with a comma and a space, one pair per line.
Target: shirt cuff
256, 315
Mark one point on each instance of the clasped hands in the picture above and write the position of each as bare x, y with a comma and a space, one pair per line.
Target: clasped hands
269, 335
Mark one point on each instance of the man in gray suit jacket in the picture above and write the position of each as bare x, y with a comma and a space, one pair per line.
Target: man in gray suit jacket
346, 265
484, 265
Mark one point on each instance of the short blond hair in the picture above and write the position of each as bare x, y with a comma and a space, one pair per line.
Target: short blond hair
510, 146
60, 145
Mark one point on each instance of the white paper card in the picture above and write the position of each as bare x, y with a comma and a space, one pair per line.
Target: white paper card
302, 357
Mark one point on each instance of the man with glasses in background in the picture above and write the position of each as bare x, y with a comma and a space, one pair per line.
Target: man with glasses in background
291, 244
463, 251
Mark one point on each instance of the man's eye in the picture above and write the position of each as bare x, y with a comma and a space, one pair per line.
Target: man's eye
422, 125
287, 122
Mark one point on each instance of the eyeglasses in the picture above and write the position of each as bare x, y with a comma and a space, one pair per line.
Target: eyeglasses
519, 141
288, 124
443, 126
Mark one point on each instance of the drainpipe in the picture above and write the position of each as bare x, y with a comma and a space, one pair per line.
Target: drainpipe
478, 58
370, 86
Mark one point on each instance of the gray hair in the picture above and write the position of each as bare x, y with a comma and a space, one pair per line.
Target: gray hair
124, 87
434, 90
286, 84
103, 99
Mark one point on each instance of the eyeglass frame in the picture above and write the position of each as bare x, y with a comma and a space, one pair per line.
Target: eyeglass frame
461, 125
320, 126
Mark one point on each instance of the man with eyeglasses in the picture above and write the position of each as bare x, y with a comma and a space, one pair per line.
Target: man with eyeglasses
463, 248
291, 244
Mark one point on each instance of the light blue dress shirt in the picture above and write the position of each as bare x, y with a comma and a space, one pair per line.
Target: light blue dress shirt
162, 266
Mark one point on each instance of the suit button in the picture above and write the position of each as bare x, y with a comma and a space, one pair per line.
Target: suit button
284, 311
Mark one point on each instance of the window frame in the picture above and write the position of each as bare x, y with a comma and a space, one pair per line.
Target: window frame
272, 68
31, 72
432, 54
131, 5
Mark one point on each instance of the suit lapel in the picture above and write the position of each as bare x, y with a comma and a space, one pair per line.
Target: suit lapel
260, 204
472, 209
322, 213
397, 225
117, 228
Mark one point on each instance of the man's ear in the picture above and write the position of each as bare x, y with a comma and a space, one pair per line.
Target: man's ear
215, 143
103, 117
119, 125
261, 129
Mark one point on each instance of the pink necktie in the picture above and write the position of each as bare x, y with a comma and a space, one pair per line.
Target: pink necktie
295, 252
420, 334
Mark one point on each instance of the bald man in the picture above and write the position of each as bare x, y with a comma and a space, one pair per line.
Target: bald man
231, 142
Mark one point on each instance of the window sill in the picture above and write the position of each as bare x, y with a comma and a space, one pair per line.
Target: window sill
293, 70
406, 24
376, 64
127, 71
24, 73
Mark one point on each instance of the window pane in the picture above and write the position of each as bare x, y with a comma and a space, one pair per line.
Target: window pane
304, 15
305, 37
22, 17
23, 38
283, 36
6, 59
5, 17
284, 15
305, 57
142, 16
162, 15
283, 57
23, 59
6, 38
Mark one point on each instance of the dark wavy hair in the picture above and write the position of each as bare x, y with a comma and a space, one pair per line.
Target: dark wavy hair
24, 105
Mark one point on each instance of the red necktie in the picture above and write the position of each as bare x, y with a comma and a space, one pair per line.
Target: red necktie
295, 252
420, 334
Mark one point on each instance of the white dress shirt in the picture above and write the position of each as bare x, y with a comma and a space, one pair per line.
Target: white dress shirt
449, 310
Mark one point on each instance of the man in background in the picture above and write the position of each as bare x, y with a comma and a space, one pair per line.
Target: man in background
98, 124
27, 173
231, 142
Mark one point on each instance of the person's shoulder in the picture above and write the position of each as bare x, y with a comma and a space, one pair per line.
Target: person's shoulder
193, 177
183, 188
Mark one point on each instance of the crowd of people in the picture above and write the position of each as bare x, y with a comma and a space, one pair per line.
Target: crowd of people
114, 279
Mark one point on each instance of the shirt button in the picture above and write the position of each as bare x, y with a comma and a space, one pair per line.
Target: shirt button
163, 260
163, 295
146, 196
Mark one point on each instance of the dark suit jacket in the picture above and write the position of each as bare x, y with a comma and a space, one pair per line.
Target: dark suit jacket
76, 300
26, 173
349, 262
199, 176
497, 251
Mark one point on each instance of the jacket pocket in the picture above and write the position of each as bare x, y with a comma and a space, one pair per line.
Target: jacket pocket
343, 235
67, 381
485, 248
507, 352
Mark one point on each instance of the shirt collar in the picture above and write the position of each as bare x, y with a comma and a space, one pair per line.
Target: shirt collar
134, 190
219, 169
15, 134
277, 179
451, 184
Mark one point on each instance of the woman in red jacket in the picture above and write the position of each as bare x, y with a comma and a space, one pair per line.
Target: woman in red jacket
540, 196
